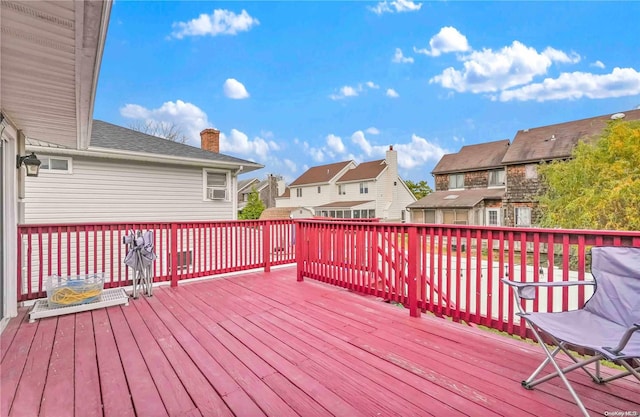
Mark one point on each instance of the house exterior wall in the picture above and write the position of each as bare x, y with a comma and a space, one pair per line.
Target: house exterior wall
101, 190
472, 180
523, 189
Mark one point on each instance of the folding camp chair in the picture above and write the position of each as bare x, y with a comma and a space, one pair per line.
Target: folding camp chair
608, 325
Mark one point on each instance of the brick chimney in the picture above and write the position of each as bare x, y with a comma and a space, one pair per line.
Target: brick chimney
210, 140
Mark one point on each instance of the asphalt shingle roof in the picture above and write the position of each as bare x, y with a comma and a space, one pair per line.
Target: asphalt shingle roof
557, 141
364, 171
473, 158
110, 136
460, 198
320, 174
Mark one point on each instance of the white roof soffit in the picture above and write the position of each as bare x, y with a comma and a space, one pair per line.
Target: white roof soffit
49, 64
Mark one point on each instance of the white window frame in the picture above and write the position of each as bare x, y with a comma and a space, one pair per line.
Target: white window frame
205, 184
504, 178
451, 176
319, 189
364, 187
69, 160
518, 216
299, 192
341, 189
488, 216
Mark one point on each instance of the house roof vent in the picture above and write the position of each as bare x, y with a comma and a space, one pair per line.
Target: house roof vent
617, 116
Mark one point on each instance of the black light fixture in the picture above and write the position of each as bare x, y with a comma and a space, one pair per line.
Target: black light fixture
31, 162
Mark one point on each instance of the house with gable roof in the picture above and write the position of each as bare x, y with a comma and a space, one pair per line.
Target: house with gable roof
345, 189
126, 175
497, 183
470, 186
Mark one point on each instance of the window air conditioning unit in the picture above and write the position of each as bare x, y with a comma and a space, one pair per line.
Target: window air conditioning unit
216, 194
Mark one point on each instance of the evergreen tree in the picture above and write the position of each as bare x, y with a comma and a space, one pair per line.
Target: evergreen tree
254, 207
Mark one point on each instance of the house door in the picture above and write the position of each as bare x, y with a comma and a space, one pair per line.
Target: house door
493, 217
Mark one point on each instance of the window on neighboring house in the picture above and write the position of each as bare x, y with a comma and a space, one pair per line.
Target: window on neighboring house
364, 188
429, 216
319, 188
496, 177
341, 190
216, 185
455, 216
493, 217
456, 181
55, 164
523, 216
298, 192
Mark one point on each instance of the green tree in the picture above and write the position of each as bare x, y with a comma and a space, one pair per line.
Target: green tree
419, 189
254, 207
599, 188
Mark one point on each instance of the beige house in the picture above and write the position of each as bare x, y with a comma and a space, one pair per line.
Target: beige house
348, 190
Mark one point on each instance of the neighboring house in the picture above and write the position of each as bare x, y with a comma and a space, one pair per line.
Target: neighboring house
533, 146
470, 186
267, 190
496, 183
127, 175
348, 190
51, 55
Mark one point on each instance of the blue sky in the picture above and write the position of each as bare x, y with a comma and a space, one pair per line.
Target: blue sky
297, 84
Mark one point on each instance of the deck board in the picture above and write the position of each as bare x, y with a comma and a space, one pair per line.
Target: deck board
262, 344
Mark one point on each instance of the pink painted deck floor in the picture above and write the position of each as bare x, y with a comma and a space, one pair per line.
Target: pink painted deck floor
263, 344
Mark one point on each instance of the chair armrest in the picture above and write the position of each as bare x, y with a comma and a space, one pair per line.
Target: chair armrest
527, 290
623, 340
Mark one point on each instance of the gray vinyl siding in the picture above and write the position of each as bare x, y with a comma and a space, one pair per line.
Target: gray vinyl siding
101, 190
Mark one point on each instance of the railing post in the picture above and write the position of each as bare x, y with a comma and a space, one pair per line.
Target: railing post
266, 246
174, 254
299, 258
413, 258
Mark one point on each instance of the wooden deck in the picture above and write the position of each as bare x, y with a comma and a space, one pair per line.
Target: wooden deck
263, 344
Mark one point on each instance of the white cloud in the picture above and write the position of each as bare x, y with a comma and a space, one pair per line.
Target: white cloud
290, 164
491, 71
395, 6
188, 117
598, 64
410, 155
238, 142
344, 92
235, 89
220, 22
399, 58
335, 143
417, 152
575, 85
372, 131
349, 91
359, 139
447, 40
392, 93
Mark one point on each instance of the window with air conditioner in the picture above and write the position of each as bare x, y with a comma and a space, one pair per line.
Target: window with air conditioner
216, 185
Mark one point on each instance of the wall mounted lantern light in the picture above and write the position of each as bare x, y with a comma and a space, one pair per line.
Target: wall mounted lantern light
31, 162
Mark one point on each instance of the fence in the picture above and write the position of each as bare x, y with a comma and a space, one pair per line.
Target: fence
453, 271
185, 250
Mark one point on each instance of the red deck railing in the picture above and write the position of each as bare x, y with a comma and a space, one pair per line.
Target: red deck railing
453, 271
197, 249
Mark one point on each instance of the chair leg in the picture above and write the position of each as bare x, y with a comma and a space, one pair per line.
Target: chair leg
559, 372
631, 370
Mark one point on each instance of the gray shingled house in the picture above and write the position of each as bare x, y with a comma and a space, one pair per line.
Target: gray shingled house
496, 183
126, 175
